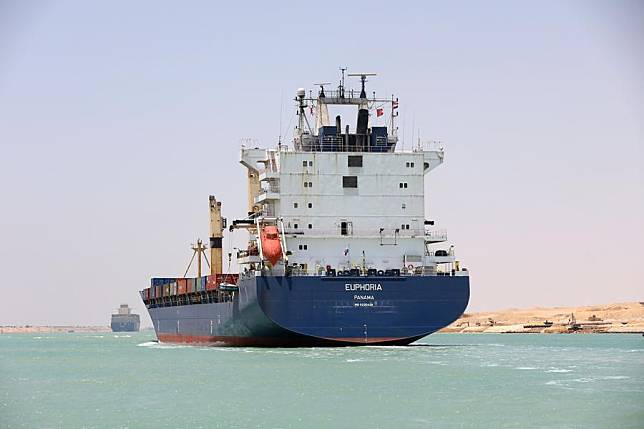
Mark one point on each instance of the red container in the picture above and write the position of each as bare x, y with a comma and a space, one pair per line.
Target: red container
227, 278
146, 293
211, 282
182, 286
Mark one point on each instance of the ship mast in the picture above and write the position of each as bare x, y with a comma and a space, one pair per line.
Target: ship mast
198, 250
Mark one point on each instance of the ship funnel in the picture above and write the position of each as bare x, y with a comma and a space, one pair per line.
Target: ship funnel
338, 125
363, 121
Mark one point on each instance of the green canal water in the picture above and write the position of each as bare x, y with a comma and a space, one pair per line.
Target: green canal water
445, 381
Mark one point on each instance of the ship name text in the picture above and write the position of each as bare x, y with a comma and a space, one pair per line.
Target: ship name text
362, 286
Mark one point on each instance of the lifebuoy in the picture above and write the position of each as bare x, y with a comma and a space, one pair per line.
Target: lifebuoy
381, 273
410, 266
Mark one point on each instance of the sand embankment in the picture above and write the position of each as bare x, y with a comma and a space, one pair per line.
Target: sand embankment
28, 329
627, 317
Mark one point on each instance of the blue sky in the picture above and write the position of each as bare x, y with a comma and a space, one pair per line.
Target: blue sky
118, 119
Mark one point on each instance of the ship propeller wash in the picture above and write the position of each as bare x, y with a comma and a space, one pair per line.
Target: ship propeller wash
339, 248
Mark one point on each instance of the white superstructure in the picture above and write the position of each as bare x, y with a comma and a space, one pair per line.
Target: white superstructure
344, 200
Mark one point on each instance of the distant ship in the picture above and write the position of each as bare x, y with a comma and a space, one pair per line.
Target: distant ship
339, 249
125, 321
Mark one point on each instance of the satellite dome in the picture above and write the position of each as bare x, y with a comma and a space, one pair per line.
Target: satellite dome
301, 92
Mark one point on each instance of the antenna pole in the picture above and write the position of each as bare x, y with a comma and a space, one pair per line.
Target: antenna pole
279, 139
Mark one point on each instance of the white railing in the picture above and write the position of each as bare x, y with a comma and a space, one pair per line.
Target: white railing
436, 235
387, 233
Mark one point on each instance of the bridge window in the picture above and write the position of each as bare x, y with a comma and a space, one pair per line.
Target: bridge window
310, 205
294, 205
402, 185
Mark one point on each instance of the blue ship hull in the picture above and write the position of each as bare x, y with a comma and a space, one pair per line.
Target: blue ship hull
318, 311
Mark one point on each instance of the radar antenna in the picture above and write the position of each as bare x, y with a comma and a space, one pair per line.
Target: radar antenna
341, 87
321, 85
363, 79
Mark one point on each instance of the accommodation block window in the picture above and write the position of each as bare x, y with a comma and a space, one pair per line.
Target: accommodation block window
349, 181
402, 185
346, 228
355, 160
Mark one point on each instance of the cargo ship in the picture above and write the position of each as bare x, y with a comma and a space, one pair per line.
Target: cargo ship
339, 249
125, 321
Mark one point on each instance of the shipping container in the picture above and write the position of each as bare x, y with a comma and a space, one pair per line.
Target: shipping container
227, 278
173, 288
160, 281
166, 289
211, 282
201, 284
182, 286
159, 291
191, 285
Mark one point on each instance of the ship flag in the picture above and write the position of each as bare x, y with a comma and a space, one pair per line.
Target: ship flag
380, 111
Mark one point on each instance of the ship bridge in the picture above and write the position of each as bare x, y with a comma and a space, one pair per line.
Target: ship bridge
328, 136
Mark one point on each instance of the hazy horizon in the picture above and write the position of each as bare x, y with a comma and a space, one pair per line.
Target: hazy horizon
117, 120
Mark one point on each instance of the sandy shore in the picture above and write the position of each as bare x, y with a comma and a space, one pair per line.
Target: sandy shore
627, 317
51, 329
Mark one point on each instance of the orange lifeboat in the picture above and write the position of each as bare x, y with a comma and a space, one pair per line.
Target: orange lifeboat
271, 245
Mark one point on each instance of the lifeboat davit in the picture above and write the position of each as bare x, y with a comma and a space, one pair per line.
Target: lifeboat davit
271, 245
